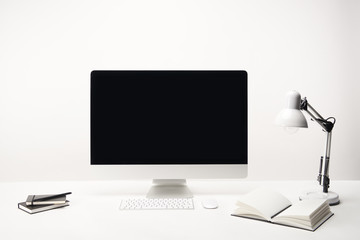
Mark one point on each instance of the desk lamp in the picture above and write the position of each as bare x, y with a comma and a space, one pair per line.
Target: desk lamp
292, 117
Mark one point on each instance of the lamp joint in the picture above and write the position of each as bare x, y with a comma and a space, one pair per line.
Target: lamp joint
303, 104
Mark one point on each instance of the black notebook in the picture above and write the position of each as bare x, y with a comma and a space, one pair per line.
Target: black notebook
38, 200
40, 208
273, 207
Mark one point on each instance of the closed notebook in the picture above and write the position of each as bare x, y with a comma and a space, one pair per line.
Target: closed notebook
273, 207
33, 200
40, 208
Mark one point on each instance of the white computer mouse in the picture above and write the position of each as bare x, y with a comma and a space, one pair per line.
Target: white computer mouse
209, 203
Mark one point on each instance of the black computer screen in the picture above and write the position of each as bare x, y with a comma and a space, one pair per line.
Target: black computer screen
169, 117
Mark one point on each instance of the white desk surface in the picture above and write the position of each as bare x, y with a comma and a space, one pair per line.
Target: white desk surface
93, 212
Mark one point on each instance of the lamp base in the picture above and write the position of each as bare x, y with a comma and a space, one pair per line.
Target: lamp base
333, 198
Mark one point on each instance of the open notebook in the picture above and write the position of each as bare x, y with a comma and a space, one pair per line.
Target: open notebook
270, 206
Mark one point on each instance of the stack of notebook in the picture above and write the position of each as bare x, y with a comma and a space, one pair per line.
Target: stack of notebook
40, 203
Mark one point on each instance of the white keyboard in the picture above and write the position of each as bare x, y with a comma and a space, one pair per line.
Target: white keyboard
157, 203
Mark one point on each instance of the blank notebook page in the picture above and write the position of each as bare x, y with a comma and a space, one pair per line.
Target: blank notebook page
269, 203
303, 208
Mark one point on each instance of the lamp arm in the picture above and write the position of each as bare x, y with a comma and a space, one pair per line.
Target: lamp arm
323, 177
315, 116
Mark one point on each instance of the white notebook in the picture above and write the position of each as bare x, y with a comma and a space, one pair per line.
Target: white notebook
270, 206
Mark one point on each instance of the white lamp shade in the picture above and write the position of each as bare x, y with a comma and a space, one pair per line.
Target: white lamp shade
291, 116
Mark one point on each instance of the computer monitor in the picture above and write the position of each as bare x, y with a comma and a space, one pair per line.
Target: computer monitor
170, 125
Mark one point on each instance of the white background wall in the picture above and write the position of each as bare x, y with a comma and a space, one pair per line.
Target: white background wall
48, 49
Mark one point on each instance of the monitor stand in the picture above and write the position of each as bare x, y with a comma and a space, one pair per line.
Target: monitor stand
169, 188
